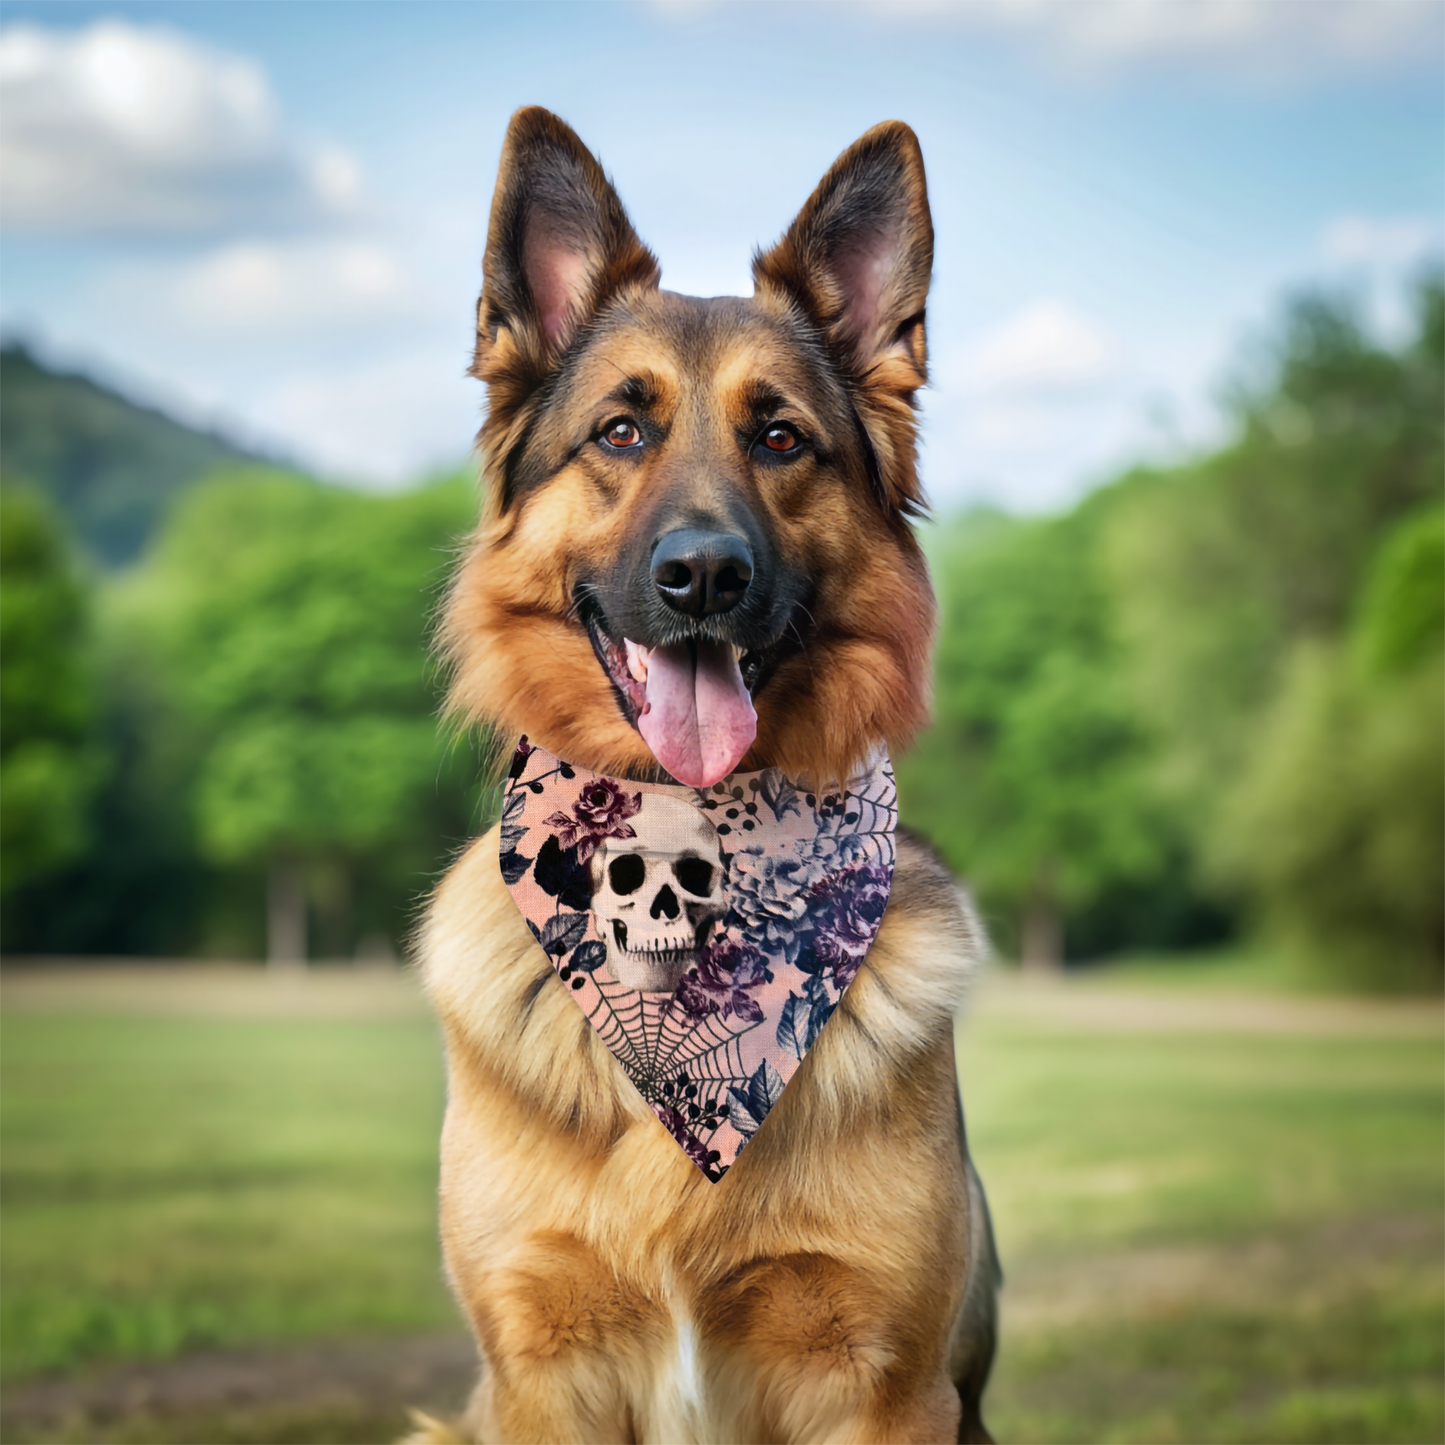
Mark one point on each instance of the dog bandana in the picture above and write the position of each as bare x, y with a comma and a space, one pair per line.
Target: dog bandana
706, 933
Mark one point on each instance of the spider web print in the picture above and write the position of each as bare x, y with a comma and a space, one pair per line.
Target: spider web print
876, 807
806, 878
684, 1068
675, 1061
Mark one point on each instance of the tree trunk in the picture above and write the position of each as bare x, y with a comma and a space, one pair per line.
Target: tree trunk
285, 916
1042, 950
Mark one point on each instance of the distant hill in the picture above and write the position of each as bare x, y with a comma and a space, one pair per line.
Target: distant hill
110, 465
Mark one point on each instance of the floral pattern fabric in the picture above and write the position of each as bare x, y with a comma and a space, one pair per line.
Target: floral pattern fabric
707, 934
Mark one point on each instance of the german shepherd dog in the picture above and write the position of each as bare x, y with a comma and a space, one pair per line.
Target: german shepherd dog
695, 552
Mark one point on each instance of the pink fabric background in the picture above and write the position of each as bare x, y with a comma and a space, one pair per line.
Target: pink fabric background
807, 879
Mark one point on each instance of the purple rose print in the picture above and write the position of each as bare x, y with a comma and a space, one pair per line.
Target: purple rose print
601, 811
723, 980
846, 913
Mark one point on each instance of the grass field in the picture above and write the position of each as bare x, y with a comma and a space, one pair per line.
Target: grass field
181, 1179
1222, 1216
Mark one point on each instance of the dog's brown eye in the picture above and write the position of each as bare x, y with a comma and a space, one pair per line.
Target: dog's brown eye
621, 433
780, 439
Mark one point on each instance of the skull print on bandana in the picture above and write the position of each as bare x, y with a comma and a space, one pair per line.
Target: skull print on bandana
658, 895
707, 934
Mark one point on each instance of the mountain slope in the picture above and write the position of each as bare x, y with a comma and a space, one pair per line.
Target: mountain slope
110, 465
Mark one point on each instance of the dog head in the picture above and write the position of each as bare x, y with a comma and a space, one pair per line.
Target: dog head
695, 548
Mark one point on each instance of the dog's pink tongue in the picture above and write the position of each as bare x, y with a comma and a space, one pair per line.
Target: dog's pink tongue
699, 719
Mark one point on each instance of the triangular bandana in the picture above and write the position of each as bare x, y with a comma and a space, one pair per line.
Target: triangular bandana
706, 933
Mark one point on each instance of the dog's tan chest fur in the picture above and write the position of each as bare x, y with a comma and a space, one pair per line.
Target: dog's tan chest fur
599, 1266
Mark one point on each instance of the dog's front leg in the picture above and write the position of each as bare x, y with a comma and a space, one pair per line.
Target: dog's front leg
534, 1405
834, 1412
808, 1348
566, 1345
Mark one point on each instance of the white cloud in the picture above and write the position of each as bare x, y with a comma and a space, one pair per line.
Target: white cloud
1047, 347
284, 288
119, 128
1269, 38
1385, 241
1024, 453
382, 424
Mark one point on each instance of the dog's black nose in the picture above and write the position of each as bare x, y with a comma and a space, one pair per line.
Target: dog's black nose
701, 573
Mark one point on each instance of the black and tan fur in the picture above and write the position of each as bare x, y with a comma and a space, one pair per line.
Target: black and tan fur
839, 1283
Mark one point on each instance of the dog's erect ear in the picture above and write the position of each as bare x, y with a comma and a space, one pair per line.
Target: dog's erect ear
559, 244
858, 259
860, 253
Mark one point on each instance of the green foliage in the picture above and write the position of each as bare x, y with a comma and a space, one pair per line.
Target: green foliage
1216, 687
1283, 608
1206, 698
1034, 780
285, 624
1223, 566
1402, 611
284, 785
1334, 829
109, 465
49, 760
1336, 825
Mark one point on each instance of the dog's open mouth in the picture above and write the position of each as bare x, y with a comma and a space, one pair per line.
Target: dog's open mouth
692, 701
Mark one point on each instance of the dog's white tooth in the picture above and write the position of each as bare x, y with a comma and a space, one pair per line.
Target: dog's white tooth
738, 651
637, 659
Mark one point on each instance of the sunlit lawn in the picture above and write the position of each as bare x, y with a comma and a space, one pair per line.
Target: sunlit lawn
1213, 1229
173, 1183
1214, 1233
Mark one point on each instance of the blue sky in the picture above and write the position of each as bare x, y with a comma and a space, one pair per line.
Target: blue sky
273, 214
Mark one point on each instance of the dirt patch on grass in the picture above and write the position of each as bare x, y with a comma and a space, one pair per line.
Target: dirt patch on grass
355, 1391
344, 990
1103, 1006
183, 989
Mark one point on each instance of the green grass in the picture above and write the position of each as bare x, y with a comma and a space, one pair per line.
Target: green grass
1213, 1236
1094, 1138
1368, 1374
1208, 1235
171, 1184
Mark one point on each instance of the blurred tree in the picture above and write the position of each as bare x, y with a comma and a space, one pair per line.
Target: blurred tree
1221, 567
1034, 779
1267, 595
289, 622
1336, 830
1400, 621
50, 760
